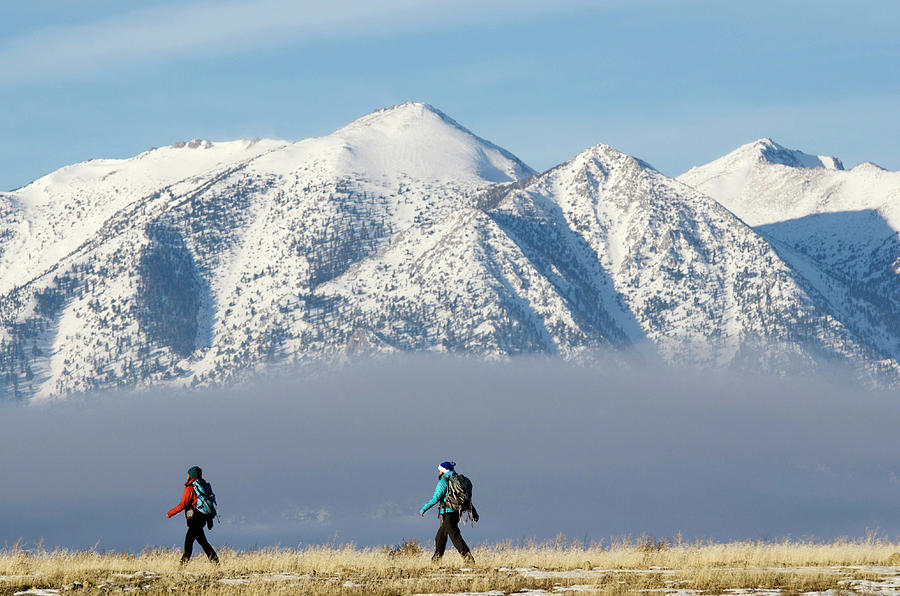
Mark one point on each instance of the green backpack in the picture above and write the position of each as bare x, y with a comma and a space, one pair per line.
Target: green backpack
459, 494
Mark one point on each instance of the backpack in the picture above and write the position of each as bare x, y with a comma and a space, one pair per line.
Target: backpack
206, 499
459, 493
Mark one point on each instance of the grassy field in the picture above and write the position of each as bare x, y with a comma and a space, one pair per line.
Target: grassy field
626, 566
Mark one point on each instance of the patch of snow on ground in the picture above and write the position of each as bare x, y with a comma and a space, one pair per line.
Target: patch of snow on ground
491, 593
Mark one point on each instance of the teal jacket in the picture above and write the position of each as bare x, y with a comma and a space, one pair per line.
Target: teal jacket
440, 491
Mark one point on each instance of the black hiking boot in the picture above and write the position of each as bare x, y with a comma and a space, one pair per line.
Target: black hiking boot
184, 560
469, 559
435, 559
214, 559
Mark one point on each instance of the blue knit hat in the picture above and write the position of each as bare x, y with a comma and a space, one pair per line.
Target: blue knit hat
195, 472
446, 466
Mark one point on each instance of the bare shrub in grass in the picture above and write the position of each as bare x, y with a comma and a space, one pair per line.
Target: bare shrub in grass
407, 548
651, 545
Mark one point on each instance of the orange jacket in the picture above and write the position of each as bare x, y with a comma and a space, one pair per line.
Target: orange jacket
188, 499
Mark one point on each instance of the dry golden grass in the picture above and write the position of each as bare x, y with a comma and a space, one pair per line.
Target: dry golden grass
622, 567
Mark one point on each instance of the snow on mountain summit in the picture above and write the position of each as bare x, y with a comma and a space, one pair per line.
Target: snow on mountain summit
423, 142
727, 175
150, 169
767, 151
774, 153
762, 182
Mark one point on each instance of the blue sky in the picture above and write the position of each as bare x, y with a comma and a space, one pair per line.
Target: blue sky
676, 83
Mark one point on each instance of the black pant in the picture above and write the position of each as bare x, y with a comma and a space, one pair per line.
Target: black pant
195, 532
449, 528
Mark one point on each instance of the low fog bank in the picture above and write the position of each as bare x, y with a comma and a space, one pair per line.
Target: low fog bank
350, 456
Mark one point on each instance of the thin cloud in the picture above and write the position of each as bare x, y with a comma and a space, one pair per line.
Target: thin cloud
214, 28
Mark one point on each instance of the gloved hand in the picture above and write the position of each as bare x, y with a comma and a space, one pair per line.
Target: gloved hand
475, 515
209, 524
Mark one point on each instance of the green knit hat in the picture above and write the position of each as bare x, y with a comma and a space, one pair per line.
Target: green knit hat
195, 472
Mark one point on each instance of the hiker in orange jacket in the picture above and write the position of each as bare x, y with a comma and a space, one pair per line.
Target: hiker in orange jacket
195, 519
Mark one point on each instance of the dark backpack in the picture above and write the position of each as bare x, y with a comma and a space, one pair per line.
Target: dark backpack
206, 499
459, 494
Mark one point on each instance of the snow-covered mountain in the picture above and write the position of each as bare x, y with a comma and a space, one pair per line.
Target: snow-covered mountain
835, 224
205, 262
693, 279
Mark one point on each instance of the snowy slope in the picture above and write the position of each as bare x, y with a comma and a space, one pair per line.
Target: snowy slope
57, 213
402, 231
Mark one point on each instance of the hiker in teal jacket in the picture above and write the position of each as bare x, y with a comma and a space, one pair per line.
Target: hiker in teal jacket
449, 527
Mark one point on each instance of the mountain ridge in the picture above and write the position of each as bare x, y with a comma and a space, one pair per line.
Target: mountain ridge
402, 231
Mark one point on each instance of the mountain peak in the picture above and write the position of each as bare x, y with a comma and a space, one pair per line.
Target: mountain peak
764, 183
410, 107
604, 157
408, 113
868, 166
420, 140
771, 152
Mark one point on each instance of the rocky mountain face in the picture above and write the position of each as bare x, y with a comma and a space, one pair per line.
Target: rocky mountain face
203, 263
